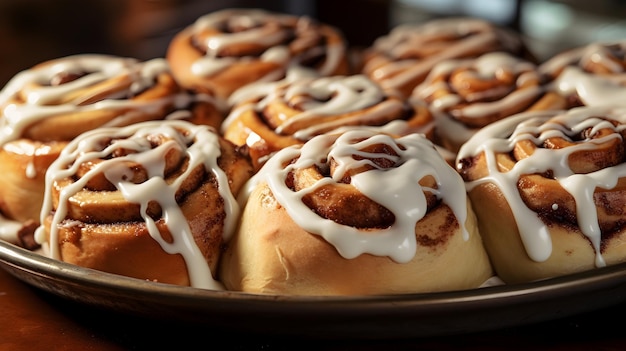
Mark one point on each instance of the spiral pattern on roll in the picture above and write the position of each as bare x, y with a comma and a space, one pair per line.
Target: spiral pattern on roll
267, 117
590, 75
555, 168
225, 50
170, 182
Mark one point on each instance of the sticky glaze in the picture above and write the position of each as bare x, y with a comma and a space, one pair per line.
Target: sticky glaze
459, 37
500, 137
396, 188
256, 31
28, 97
102, 93
595, 73
320, 101
200, 145
457, 116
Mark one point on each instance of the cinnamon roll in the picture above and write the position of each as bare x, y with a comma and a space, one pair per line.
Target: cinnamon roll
227, 49
548, 190
404, 57
355, 213
465, 95
44, 107
267, 117
152, 201
590, 75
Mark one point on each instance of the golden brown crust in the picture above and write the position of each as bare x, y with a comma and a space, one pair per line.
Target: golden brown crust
110, 248
589, 75
182, 55
330, 217
126, 247
583, 223
404, 57
467, 94
273, 255
237, 61
103, 229
154, 101
24, 163
52, 103
572, 250
292, 111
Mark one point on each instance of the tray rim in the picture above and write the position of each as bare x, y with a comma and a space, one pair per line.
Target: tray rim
397, 316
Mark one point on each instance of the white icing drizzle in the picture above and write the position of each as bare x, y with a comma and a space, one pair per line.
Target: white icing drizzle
275, 39
395, 188
501, 136
455, 131
320, 99
201, 146
41, 101
450, 107
593, 89
404, 39
598, 52
259, 91
486, 67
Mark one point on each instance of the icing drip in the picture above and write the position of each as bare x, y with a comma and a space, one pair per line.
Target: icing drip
594, 73
199, 143
591, 89
396, 188
463, 37
598, 53
501, 136
42, 100
404, 38
459, 114
258, 92
319, 100
275, 32
485, 68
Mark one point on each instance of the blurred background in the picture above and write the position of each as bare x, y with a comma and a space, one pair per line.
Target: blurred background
32, 31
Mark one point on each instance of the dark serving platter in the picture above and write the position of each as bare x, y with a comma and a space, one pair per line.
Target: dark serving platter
367, 317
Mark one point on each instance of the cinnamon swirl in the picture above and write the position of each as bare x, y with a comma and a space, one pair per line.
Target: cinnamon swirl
355, 213
549, 189
404, 57
46, 106
591, 75
465, 95
267, 117
227, 49
152, 201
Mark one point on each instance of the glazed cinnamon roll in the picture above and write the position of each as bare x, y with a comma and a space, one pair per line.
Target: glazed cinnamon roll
267, 117
152, 201
225, 50
465, 95
404, 57
591, 75
46, 106
549, 191
355, 213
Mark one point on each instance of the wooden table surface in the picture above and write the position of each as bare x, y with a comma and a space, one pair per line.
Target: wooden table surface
31, 319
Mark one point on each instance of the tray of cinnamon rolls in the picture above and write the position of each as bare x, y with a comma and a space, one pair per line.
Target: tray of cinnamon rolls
264, 175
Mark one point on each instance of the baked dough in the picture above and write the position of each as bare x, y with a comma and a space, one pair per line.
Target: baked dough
303, 233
